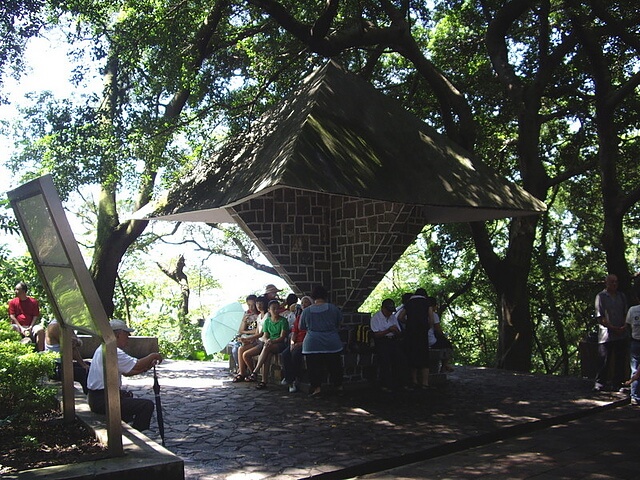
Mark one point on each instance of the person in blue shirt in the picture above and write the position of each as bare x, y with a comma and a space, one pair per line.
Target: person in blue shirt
322, 345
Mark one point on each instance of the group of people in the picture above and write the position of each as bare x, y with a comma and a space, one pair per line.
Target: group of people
403, 337
310, 330
24, 313
294, 331
618, 336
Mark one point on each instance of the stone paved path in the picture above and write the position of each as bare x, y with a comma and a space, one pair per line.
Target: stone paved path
233, 431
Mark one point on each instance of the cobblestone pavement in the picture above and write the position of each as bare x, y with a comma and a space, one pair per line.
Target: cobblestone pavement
599, 446
232, 431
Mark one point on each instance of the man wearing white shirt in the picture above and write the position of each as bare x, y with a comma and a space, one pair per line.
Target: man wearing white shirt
386, 333
137, 411
633, 322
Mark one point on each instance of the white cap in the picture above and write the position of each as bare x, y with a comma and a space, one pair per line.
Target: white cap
120, 325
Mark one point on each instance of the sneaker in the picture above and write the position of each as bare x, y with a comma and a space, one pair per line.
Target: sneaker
598, 387
635, 401
283, 381
293, 388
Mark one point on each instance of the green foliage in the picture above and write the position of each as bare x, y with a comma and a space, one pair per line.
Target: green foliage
7, 332
445, 265
8, 223
29, 441
152, 305
19, 21
177, 338
23, 373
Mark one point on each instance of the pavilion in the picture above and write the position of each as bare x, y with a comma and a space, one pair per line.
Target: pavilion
336, 182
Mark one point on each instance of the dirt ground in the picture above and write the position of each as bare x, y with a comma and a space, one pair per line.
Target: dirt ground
47, 442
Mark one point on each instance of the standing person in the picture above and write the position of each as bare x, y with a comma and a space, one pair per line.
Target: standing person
24, 312
138, 411
418, 318
292, 355
386, 334
438, 340
322, 345
402, 317
633, 320
271, 292
611, 310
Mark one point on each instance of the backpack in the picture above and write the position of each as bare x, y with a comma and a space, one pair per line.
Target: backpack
363, 341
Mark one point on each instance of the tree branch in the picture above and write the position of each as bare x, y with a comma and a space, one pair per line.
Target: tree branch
497, 46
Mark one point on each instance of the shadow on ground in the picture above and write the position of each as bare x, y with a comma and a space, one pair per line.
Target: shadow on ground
226, 430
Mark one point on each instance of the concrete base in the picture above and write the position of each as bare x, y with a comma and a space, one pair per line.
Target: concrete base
143, 458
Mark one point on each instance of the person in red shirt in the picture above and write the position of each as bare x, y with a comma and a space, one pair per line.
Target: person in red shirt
24, 312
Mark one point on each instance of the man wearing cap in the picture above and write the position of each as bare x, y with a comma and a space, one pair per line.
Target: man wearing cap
271, 293
391, 359
137, 411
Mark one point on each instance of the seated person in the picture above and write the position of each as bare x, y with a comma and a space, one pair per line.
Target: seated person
24, 313
438, 340
251, 345
52, 344
275, 330
292, 355
391, 359
247, 328
138, 411
292, 309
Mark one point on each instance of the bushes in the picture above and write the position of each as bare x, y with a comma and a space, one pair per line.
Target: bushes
8, 333
178, 338
22, 373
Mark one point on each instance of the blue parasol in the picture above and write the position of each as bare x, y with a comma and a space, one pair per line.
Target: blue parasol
220, 329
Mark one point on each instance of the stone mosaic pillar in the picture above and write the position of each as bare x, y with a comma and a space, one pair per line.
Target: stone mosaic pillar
346, 244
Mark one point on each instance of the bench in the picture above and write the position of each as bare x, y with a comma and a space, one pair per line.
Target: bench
367, 362
359, 367
367, 359
138, 347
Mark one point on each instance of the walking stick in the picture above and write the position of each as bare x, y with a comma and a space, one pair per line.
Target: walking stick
156, 390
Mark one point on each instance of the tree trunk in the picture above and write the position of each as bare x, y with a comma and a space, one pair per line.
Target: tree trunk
516, 330
613, 201
112, 241
178, 276
509, 277
546, 264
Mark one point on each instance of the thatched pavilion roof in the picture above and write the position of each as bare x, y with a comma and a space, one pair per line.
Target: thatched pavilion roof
338, 135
